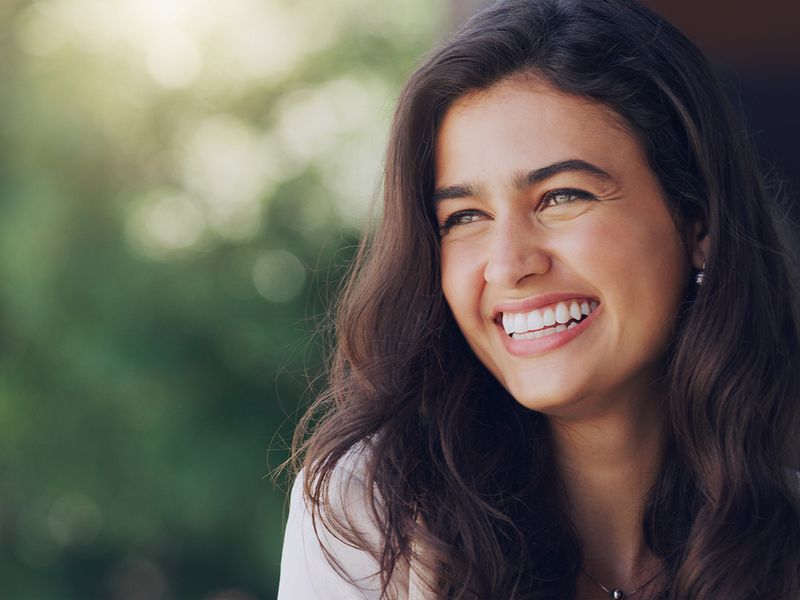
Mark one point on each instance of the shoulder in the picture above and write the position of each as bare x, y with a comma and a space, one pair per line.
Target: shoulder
317, 561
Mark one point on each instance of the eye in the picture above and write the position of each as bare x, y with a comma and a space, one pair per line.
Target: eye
462, 217
564, 196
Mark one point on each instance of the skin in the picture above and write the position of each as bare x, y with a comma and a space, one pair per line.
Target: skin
612, 238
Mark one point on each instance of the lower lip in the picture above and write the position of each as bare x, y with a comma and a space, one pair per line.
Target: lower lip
547, 343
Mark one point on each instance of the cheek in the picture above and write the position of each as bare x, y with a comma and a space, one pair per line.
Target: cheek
662, 263
461, 275
641, 267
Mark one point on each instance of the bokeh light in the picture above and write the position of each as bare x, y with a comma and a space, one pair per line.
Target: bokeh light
278, 275
182, 185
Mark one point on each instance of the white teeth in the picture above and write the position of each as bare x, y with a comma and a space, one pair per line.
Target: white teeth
535, 335
539, 323
575, 311
535, 320
562, 313
508, 324
571, 325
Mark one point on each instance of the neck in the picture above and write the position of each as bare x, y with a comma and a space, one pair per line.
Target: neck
608, 464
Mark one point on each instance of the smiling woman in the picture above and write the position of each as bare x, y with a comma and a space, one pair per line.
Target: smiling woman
549, 383
529, 247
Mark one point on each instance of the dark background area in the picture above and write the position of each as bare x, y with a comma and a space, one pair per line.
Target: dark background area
757, 48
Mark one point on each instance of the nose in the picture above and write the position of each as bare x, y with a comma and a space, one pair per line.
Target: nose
515, 254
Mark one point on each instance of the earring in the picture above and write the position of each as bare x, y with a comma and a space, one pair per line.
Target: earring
701, 274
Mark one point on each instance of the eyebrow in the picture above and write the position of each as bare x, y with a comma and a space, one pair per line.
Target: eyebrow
521, 181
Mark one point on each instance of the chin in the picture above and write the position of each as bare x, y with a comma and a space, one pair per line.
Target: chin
550, 399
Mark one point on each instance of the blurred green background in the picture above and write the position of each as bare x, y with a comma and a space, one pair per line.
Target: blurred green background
181, 185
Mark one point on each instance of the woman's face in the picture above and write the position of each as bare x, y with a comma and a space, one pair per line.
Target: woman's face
548, 212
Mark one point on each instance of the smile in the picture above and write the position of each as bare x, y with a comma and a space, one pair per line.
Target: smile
548, 320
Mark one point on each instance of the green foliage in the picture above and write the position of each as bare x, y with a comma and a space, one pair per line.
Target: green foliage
181, 185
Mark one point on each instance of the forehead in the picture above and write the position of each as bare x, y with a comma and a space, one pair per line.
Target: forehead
525, 123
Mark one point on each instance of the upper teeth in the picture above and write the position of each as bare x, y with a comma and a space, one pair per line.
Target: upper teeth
562, 313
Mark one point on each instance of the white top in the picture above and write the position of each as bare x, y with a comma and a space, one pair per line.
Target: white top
306, 572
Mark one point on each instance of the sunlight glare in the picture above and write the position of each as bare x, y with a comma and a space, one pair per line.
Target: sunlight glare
174, 61
225, 165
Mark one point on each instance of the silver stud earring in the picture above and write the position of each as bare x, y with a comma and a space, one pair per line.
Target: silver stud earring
701, 275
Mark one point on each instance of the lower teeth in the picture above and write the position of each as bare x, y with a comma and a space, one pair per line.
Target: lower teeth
535, 335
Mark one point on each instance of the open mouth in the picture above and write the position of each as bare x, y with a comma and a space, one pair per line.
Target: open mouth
547, 320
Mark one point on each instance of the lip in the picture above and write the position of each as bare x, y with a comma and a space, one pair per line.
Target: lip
534, 302
526, 348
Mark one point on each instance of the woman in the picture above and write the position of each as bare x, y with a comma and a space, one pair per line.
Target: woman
567, 359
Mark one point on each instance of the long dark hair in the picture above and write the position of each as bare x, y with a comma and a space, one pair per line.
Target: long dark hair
459, 477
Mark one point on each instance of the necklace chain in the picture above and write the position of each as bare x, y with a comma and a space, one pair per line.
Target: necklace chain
617, 593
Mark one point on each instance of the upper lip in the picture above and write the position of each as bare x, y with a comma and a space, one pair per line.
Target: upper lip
533, 302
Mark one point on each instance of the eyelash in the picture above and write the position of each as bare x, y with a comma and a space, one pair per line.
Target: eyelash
578, 194
454, 219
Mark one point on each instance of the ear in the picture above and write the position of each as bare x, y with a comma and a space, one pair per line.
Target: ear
698, 243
